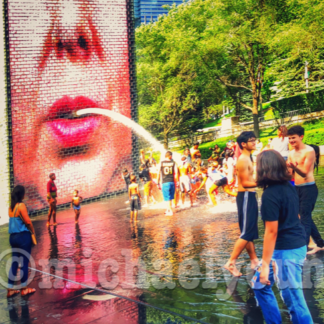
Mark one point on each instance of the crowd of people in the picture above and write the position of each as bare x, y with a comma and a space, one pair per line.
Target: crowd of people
285, 172
284, 169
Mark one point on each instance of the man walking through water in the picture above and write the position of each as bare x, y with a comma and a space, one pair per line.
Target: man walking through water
247, 204
301, 161
170, 174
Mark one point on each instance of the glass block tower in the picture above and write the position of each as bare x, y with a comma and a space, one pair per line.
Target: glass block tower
149, 10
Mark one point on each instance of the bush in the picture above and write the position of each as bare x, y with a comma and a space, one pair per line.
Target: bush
313, 100
315, 136
221, 142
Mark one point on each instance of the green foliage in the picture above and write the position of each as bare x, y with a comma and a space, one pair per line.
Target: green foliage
315, 136
312, 100
205, 53
205, 147
297, 39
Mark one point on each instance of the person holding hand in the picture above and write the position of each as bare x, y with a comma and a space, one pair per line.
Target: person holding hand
284, 245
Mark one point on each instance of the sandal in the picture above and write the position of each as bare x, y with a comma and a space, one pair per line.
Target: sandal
27, 291
12, 292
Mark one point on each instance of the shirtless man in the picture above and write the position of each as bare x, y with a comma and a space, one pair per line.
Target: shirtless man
247, 204
301, 162
194, 151
185, 181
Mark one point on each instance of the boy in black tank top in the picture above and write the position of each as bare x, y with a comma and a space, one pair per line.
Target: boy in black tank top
168, 172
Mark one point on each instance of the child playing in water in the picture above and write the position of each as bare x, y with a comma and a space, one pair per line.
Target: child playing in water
76, 204
134, 198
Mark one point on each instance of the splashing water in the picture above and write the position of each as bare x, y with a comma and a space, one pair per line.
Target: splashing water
138, 129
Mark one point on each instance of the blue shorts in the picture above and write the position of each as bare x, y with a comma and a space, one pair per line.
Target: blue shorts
168, 190
77, 207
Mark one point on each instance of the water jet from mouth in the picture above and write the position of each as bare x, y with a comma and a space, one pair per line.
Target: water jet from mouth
138, 129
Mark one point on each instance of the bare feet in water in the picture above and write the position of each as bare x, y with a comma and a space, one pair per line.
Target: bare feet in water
232, 269
254, 263
315, 250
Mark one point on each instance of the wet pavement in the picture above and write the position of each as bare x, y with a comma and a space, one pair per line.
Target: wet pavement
160, 270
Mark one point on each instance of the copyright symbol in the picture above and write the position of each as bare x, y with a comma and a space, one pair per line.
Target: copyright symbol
16, 256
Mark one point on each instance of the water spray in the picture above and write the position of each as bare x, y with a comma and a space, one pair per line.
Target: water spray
138, 129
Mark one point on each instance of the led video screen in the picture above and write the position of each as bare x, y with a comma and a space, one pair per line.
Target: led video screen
66, 55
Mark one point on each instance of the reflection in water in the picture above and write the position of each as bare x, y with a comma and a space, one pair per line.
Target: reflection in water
14, 310
53, 250
251, 313
190, 234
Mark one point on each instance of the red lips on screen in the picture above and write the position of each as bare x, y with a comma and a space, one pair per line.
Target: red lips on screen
71, 131
77, 61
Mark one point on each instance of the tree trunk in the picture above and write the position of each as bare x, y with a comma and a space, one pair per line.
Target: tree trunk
256, 117
166, 141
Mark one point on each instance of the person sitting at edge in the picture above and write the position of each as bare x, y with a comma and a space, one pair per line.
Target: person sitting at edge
247, 205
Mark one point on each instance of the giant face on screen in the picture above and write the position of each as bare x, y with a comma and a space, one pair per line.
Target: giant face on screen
66, 55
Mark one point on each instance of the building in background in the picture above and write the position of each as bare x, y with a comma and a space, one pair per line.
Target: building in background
146, 11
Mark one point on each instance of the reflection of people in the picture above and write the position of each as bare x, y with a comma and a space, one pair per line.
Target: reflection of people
53, 251
14, 313
76, 204
20, 229
51, 198
81, 52
247, 205
252, 313
284, 243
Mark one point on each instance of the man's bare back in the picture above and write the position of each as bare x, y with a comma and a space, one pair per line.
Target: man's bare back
304, 159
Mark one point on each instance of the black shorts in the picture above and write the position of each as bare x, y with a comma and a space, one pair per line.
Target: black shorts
135, 203
221, 182
248, 212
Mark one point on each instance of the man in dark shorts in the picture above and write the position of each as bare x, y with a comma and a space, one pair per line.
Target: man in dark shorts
170, 173
247, 205
301, 162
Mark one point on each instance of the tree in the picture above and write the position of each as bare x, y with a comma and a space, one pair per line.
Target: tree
205, 51
173, 89
299, 38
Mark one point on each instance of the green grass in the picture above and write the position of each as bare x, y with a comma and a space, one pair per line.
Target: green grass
217, 122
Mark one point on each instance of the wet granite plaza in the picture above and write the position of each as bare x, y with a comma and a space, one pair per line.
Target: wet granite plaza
159, 270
